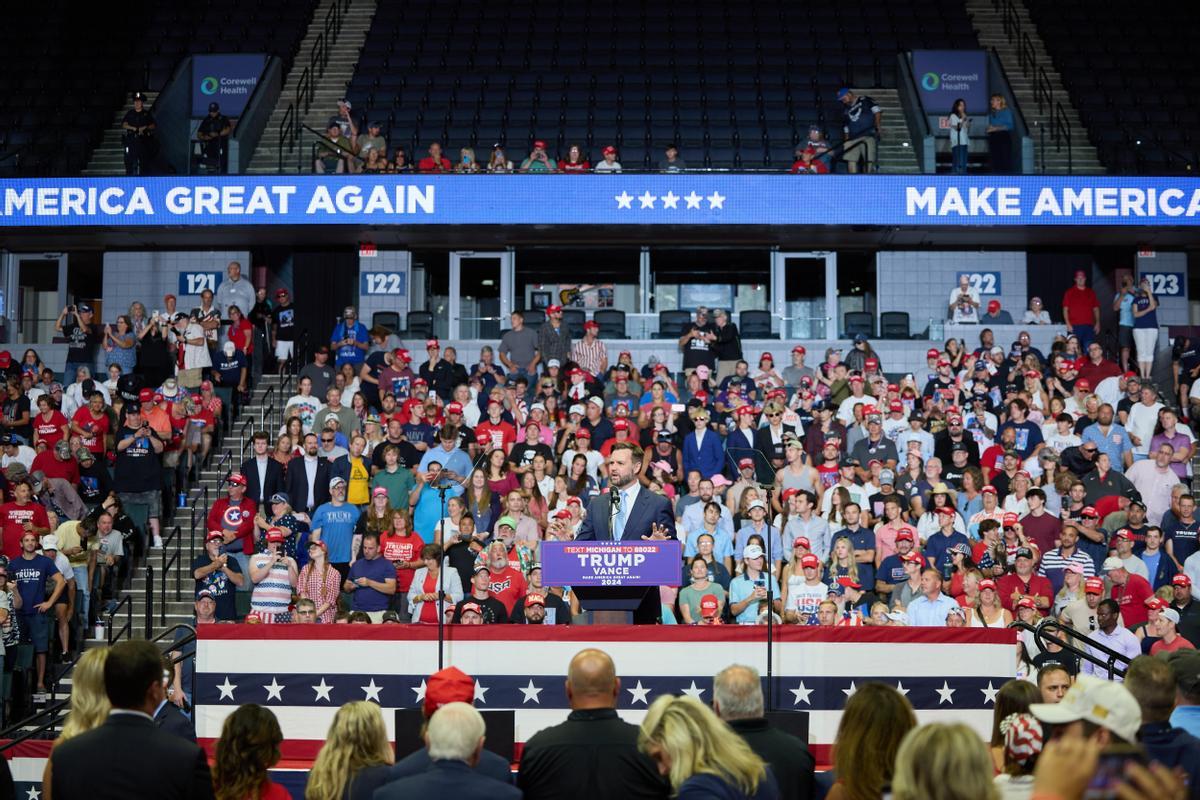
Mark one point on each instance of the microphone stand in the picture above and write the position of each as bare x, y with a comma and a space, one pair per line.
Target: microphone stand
442, 488
769, 694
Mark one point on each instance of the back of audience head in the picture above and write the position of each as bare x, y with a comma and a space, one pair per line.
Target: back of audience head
248, 747
684, 737
455, 733
874, 721
943, 761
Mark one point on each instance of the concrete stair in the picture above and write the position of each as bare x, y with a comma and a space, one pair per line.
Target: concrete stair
109, 157
895, 152
989, 27
329, 87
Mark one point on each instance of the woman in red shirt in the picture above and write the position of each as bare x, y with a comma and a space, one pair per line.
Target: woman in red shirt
91, 424
402, 546
241, 332
248, 747
49, 424
423, 593
575, 161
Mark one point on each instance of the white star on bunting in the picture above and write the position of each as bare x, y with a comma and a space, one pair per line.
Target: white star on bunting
639, 694
900, 688
716, 200
850, 692
372, 691
693, 199
946, 694
801, 693
624, 200
670, 200
226, 689
647, 199
274, 690
531, 692
322, 689
480, 691
420, 692
693, 690
989, 694
33, 794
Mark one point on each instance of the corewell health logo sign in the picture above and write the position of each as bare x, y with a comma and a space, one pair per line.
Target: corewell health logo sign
946, 75
228, 80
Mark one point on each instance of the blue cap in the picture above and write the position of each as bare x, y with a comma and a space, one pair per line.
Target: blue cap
842, 92
860, 337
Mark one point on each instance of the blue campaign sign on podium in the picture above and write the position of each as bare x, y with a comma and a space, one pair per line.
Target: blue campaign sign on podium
600, 563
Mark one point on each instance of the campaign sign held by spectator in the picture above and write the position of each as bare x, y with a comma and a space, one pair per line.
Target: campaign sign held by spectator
946, 75
227, 79
612, 563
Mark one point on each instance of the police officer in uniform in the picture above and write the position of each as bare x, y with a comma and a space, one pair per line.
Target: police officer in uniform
139, 127
213, 133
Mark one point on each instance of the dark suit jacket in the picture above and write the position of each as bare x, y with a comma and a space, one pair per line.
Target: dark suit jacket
448, 779
764, 470
592, 755
273, 484
169, 718
297, 484
128, 756
786, 755
648, 509
490, 766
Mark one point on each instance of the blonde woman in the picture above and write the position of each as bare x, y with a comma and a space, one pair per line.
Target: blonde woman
989, 613
841, 561
943, 761
356, 758
89, 704
700, 755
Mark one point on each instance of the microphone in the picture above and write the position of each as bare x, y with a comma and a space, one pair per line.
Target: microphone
614, 508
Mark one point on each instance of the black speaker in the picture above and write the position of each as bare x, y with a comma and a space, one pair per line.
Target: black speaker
500, 724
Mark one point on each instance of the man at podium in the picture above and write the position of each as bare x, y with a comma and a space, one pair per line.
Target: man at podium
631, 513
628, 511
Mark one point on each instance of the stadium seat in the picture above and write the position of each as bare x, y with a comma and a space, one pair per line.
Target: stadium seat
756, 324
894, 325
419, 325
386, 319
670, 324
574, 318
612, 323
856, 322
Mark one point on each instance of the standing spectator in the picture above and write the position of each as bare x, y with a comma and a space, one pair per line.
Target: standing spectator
39, 584
427, 584
82, 338
738, 699
319, 373
356, 758
1145, 327
120, 345
960, 136
1081, 310
931, 608
554, 340
132, 754
138, 477
1181, 439
671, 162
333, 523
862, 126
1113, 636
319, 584
1123, 305
999, 133
283, 329
435, 162
538, 160
727, 345
195, 357
609, 165
213, 132
518, 350
274, 575
1096, 368
344, 120
1152, 683
350, 340
234, 291
219, 575
696, 341
1154, 480
1129, 591
248, 747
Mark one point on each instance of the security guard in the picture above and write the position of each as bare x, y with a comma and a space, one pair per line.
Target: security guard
139, 127
213, 133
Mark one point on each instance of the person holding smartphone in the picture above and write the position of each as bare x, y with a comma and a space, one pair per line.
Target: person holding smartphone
748, 591
960, 136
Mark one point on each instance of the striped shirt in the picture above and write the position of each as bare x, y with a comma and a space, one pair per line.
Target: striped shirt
273, 594
589, 357
1054, 564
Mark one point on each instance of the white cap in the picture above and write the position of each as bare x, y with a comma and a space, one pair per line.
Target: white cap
1166, 613
898, 616
1111, 563
756, 504
576, 408
50, 542
596, 401
1109, 705
553, 363
752, 551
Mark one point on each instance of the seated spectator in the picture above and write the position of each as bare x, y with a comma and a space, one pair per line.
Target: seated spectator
333, 152
372, 141
995, 315
609, 164
466, 161
575, 162
671, 162
435, 162
498, 162
1036, 314
538, 160
807, 163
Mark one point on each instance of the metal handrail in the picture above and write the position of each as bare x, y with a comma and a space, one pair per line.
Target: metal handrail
242, 434
1041, 633
162, 603
265, 402
149, 620
1061, 132
57, 710
318, 59
126, 629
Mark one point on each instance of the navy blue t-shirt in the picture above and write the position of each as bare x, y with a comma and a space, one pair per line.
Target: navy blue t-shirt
365, 598
891, 570
230, 369
1184, 538
32, 575
1029, 436
937, 550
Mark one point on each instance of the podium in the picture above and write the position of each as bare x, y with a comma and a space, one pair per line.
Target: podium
617, 581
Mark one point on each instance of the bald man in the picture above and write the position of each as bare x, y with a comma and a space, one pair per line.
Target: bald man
594, 753
738, 699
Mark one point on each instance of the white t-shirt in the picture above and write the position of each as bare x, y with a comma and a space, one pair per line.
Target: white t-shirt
1142, 419
195, 356
805, 599
964, 313
303, 407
